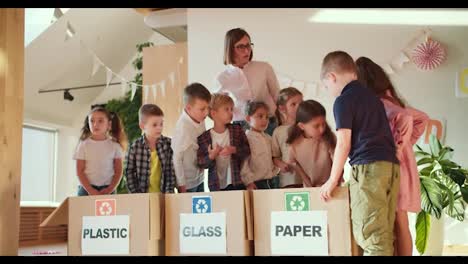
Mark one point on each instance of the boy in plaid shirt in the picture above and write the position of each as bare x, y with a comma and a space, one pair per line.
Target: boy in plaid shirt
224, 148
148, 164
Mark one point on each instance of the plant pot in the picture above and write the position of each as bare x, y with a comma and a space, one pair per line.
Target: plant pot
435, 243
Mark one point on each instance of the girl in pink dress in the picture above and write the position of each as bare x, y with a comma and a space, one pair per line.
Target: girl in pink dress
407, 125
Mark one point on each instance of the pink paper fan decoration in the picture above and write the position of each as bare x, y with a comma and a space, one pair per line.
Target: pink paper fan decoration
429, 55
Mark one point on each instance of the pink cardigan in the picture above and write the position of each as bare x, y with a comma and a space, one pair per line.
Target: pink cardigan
407, 125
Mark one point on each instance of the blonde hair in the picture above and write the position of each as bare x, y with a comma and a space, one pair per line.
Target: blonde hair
283, 97
339, 62
218, 100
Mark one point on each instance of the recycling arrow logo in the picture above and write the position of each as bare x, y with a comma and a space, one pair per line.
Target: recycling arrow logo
105, 209
298, 201
201, 204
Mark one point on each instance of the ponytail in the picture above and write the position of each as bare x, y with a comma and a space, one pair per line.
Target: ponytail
329, 137
117, 131
294, 133
85, 130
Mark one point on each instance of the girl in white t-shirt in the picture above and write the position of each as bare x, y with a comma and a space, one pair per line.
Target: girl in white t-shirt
99, 153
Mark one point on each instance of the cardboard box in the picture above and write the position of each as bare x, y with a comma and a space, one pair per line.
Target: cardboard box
135, 221
213, 223
297, 222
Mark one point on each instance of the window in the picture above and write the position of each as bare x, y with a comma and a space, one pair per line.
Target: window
38, 164
37, 20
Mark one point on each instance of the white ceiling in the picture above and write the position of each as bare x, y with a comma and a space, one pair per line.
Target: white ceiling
53, 63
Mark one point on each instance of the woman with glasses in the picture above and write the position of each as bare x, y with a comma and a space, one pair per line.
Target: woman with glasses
244, 79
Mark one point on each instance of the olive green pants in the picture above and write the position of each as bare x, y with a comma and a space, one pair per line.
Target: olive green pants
373, 192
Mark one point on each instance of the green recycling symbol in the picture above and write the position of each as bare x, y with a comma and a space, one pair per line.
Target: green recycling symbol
298, 201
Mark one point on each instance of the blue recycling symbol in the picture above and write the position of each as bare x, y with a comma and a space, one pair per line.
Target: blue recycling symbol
201, 204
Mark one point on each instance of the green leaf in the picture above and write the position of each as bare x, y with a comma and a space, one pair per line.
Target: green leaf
448, 164
464, 191
437, 167
457, 211
426, 171
122, 187
446, 153
434, 145
418, 147
431, 197
457, 176
424, 161
422, 154
423, 225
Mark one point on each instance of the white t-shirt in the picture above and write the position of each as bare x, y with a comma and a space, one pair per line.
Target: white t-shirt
223, 163
99, 156
185, 147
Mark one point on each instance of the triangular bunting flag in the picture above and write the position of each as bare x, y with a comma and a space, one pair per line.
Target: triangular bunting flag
401, 60
162, 84
145, 91
133, 85
108, 77
70, 32
96, 65
57, 13
153, 88
171, 77
123, 85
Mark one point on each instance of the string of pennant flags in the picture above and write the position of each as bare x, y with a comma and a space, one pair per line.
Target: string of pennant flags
97, 64
309, 88
315, 88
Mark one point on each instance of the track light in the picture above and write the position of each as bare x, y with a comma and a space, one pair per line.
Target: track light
67, 96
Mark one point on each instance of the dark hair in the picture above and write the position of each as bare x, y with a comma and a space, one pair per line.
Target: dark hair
147, 110
252, 106
283, 97
371, 75
306, 111
232, 37
196, 91
117, 131
337, 61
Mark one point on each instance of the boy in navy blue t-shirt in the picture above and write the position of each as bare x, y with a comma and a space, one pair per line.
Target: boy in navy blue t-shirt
363, 133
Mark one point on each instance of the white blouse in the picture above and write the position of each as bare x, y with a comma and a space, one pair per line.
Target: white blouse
256, 81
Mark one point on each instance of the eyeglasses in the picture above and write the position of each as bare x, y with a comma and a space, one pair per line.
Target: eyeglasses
248, 46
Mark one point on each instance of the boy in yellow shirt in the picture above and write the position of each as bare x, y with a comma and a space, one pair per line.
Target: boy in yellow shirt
151, 153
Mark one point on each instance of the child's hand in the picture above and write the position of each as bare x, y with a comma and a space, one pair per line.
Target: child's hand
251, 186
284, 167
182, 189
399, 151
228, 150
214, 152
327, 189
93, 191
105, 191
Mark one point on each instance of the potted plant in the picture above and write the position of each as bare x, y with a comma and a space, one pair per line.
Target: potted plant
444, 189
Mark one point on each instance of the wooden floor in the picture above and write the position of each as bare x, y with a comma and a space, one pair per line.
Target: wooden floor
61, 250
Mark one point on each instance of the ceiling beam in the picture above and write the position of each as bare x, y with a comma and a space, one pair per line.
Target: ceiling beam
146, 11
